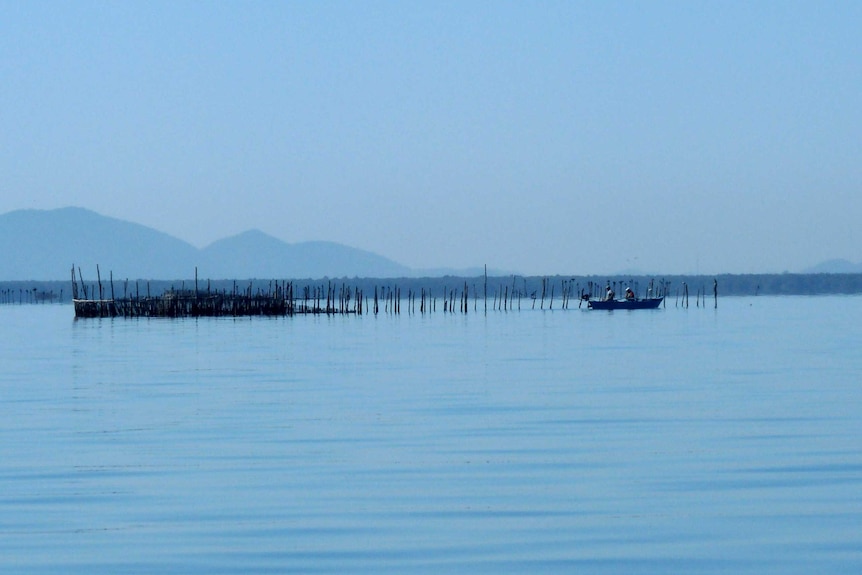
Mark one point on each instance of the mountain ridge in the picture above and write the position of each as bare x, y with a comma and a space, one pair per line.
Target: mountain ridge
43, 244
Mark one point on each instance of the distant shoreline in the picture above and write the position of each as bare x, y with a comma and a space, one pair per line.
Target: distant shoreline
59, 291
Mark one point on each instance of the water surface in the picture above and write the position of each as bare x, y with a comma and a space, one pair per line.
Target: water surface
666, 441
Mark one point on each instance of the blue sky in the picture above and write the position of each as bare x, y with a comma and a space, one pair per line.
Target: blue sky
537, 137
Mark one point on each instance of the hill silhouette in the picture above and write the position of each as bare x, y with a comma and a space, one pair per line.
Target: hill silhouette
835, 267
43, 244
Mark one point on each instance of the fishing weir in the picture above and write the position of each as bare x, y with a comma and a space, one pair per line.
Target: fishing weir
287, 298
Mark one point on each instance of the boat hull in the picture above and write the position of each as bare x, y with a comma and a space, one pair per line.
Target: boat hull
648, 303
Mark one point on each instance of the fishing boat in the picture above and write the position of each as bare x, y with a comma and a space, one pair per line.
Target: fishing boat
646, 303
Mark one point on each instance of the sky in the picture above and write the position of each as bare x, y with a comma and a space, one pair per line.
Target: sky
535, 137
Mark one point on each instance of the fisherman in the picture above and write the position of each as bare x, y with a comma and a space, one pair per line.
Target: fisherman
630, 295
609, 295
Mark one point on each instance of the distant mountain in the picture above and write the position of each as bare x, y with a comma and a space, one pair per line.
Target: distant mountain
255, 254
43, 245
461, 272
835, 267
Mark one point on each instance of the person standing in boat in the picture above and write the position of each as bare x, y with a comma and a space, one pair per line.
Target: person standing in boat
630, 295
609, 295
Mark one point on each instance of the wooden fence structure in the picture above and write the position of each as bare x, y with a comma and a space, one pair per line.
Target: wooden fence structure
287, 298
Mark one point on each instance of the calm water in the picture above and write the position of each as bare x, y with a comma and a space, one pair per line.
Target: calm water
672, 441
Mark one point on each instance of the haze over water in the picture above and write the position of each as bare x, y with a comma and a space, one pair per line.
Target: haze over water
667, 441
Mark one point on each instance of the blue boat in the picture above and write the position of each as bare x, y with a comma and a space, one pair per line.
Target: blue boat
647, 303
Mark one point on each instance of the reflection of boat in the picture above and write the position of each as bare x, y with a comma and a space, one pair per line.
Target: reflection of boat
648, 303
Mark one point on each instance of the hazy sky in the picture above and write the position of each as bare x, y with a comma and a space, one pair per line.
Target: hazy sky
538, 137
